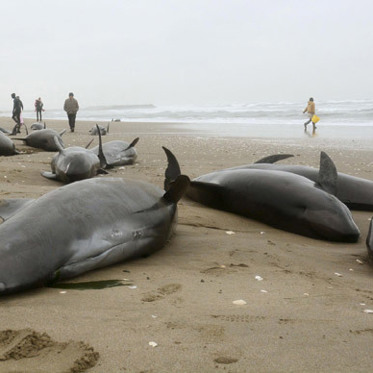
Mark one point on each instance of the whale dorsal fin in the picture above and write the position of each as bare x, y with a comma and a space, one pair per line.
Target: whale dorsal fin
274, 158
108, 127
172, 170
45, 125
328, 175
176, 189
133, 143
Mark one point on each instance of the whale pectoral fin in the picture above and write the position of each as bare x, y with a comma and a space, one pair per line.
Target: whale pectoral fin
49, 175
58, 144
133, 143
62, 132
102, 171
328, 175
101, 155
9, 207
89, 144
274, 158
177, 189
172, 170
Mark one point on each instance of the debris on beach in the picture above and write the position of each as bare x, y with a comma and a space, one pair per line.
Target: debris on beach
368, 311
153, 344
258, 278
338, 274
239, 302
230, 232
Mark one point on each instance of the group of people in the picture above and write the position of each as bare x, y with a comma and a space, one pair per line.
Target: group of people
71, 106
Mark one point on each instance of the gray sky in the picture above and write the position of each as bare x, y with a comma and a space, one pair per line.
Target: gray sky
185, 51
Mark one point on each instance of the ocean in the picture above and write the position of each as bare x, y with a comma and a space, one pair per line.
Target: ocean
263, 119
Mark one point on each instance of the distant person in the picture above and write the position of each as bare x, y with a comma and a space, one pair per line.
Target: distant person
310, 110
16, 113
39, 109
71, 107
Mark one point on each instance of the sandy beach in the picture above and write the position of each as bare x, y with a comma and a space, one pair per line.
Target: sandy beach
305, 298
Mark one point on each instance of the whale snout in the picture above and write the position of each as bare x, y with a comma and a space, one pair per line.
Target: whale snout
2, 287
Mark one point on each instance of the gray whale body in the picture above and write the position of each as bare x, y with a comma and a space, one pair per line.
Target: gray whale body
281, 199
83, 226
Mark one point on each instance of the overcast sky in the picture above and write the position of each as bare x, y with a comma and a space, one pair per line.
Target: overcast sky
185, 51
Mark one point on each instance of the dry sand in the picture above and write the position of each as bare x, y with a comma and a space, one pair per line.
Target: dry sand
305, 315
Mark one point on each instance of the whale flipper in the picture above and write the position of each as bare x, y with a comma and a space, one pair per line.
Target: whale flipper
274, 158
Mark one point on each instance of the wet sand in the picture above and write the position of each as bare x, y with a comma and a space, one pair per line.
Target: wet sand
305, 315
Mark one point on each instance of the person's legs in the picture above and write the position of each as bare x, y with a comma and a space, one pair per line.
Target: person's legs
72, 121
17, 118
309, 120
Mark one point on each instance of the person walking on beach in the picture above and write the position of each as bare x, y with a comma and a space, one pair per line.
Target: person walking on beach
16, 113
39, 108
310, 110
71, 107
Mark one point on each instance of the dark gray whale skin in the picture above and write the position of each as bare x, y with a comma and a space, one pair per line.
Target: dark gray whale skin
281, 199
7, 146
119, 153
43, 139
73, 164
355, 192
83, 226
369, 242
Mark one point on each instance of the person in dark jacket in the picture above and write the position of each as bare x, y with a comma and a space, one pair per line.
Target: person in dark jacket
39, 109
16, 114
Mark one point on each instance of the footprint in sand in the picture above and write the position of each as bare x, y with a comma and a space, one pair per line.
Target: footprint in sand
29, 351
161, 292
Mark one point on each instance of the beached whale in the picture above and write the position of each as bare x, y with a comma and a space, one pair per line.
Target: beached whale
75, 163
7, 146
281, 199
83, 226
97, 128
118, 152
43, 139
355, 192
38, 126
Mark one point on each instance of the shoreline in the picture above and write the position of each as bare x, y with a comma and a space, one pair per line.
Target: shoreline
184, 293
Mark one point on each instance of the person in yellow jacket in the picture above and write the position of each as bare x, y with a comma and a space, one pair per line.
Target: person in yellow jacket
310, 110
